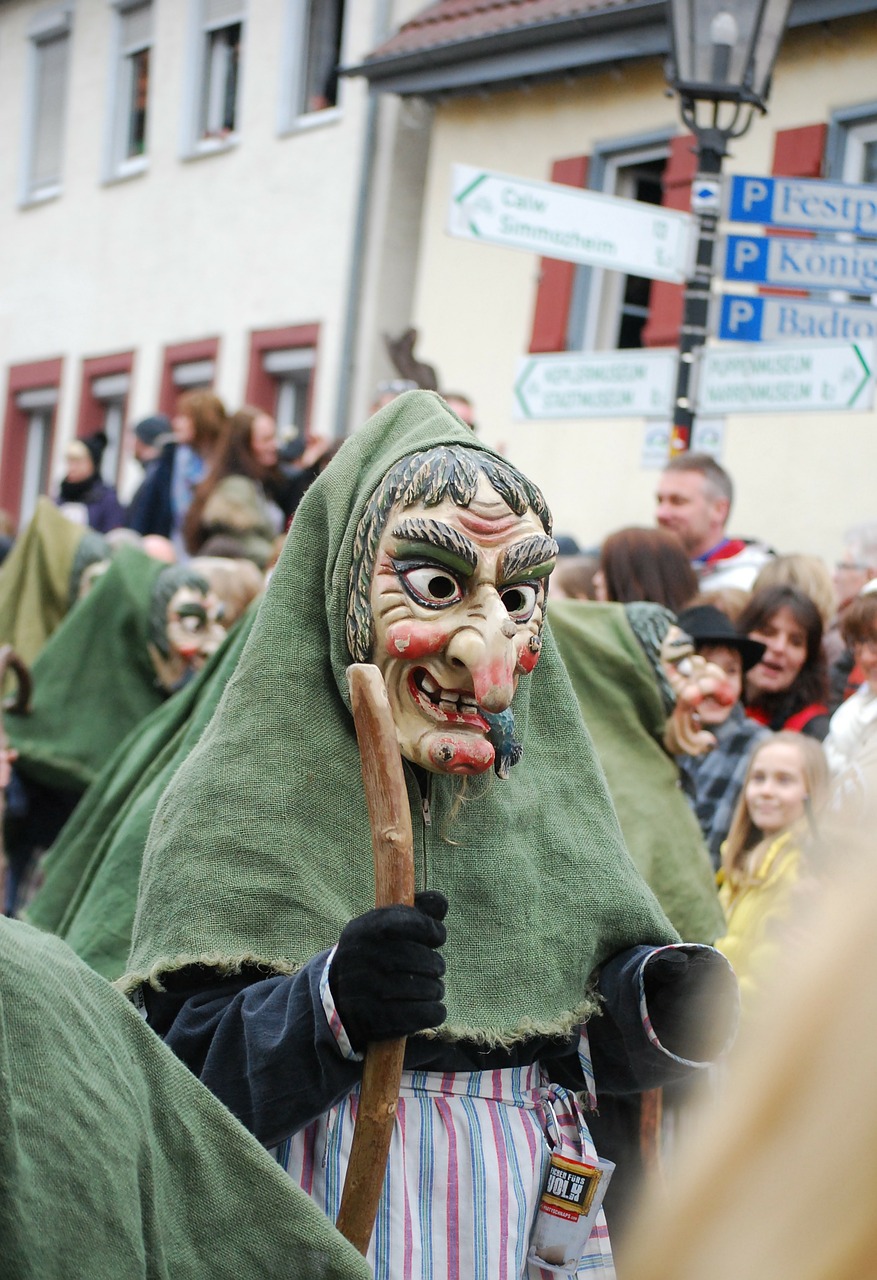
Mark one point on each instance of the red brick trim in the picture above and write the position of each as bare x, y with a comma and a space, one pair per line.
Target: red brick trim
181, 353
22, 377
91, 410
261, 386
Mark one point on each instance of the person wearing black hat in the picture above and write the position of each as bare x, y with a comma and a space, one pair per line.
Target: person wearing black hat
149, 436
83, 495
713, 781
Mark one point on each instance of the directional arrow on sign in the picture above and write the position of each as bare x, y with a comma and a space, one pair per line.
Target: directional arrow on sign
577, 226
607, 384
778, 379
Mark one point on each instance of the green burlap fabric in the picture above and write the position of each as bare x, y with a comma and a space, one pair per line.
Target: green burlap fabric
260, 848
91, 873
93, 681
115, 1162
621, 705
35, 580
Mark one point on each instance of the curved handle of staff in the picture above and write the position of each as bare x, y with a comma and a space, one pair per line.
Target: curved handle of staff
393, 847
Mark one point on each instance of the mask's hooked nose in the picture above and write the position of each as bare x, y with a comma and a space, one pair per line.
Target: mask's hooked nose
486, 649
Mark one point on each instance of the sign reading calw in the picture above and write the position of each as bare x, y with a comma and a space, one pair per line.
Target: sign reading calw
556, 221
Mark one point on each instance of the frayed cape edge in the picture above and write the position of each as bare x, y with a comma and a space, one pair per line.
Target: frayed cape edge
560, 1027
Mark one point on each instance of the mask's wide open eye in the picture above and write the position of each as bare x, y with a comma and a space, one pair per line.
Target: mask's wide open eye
432, 586
520, 600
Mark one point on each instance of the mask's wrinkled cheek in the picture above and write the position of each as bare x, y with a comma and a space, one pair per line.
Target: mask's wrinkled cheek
528, 655
413, 640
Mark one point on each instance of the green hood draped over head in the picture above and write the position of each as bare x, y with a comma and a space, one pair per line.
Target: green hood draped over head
94, 680
39, 577
260, 850
115, 1162
91, 873
620, 698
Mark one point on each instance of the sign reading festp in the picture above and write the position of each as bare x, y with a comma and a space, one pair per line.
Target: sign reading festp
804, 204
576, 226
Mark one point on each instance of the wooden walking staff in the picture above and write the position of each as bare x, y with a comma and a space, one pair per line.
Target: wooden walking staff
393, 845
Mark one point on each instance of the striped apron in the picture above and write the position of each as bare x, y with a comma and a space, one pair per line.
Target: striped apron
468, 1160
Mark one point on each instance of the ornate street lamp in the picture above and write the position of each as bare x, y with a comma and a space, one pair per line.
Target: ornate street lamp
722, 55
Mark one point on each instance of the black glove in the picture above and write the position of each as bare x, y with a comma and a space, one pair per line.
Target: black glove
693, 1002
386, 976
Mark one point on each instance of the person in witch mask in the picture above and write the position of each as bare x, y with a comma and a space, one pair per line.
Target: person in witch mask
255, 951
83, 491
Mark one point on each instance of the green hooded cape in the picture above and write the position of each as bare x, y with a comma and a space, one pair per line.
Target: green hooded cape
36, 579
260, 849
93, 681
115, 1162
91, 873
621, 704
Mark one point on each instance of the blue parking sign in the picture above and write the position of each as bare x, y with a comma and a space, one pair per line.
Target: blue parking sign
751, 199
740, 319
746, 258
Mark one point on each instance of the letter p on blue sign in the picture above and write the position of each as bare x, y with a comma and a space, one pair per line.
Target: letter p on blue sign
746, 258
751, 199
740, 318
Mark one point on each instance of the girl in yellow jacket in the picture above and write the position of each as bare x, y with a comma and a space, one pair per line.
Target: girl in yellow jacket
763, 857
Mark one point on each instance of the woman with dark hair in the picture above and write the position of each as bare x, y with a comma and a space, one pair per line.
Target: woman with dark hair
645, 564
787, 688
243, 498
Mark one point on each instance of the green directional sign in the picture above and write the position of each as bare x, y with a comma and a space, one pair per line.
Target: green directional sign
616, 384
577, 226
770, 378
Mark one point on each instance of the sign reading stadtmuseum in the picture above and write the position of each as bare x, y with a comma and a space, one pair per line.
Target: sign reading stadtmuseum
557, 221
604, 384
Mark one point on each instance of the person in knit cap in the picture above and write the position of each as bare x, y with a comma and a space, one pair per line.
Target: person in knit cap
257, 951
82, 493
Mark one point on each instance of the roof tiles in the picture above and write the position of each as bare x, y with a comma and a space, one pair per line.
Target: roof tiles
453, 21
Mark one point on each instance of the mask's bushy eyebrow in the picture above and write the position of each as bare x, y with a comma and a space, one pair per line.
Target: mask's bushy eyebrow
530, 553
438, 536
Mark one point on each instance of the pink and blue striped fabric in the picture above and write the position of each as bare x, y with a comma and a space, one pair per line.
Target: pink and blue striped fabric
468, 1160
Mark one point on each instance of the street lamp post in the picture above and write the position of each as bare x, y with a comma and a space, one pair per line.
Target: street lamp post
721, 61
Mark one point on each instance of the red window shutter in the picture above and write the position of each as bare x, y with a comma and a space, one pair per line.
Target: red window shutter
799, 153
556, 279
665, 299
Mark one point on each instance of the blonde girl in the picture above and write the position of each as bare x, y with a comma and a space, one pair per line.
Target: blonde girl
762, 859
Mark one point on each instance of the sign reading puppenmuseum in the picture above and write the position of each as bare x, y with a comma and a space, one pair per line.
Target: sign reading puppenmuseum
557, 221
775, 379
606, 384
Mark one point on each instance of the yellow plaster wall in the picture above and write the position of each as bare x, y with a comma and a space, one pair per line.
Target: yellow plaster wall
801, 479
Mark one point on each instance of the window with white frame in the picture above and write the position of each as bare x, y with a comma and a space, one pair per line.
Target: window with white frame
610, 309
291, 370
130, 102
221, 41
313, 54
111, 392
47, 101
853, 158
38, 407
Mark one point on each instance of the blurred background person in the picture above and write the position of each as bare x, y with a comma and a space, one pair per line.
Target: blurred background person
83, 495
645, 564
856, 567
714, 779
199, 425
851, 745
788, 688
